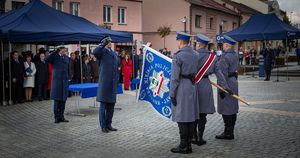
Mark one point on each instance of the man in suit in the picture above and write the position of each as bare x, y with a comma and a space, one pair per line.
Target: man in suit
269, 57
42, 77
183, 92
205, 97
228, 106
108, 82
17, 78
59, 88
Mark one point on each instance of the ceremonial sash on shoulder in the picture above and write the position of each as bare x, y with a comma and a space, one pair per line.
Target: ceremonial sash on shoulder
205, 67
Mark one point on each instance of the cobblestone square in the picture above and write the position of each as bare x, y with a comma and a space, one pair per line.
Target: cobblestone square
270, 127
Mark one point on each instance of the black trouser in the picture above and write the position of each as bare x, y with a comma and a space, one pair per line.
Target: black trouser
186, 131
229, 120
201, 122
17, 91
59, 109
268, 74
298, 60
106, 113
42, 90
241, 61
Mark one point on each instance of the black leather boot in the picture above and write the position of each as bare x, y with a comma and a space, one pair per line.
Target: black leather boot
201, 141
195, 136
189, 146
182, 148
227, 134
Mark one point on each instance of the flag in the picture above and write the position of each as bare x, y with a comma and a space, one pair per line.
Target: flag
155, 81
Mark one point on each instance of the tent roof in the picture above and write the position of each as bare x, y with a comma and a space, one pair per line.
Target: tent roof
38, 22
264, 27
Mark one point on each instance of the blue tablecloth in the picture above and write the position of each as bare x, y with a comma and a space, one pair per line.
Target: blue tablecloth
89, 90
134, 83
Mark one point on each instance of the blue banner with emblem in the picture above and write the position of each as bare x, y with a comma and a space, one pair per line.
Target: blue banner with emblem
155, 81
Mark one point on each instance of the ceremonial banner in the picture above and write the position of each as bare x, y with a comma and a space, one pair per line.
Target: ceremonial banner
155, 81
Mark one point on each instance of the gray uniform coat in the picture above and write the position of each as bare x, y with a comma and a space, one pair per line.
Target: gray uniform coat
205, 98
229, 63
184, 62
60, 79
109, 74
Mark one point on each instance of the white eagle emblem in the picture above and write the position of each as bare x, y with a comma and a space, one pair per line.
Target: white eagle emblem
159, 84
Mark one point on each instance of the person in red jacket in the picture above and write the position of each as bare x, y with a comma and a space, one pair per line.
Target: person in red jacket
126, 71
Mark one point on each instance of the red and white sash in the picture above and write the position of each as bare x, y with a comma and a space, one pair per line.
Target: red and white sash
205, 67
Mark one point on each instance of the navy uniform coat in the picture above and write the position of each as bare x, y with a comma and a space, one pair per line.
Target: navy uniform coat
228, 64
60, 76
269, 56
184, 62
108, 74
205, 98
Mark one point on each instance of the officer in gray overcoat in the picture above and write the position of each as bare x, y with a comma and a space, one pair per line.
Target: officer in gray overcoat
205, 99
182, 92
227, 105
108, 82
60, 82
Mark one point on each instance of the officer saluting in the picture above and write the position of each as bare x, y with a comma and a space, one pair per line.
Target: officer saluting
227, 105
205, 99
108, 82
60, 83
183, 90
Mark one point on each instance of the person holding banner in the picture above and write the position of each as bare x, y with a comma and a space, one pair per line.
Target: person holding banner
205, 100
108, 82
182, 92
227, 105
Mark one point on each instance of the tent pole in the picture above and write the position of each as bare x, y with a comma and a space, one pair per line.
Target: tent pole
3, 78
80, 60
133, 60
287, 60
9, 72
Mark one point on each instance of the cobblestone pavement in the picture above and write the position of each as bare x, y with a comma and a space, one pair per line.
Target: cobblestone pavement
270, 127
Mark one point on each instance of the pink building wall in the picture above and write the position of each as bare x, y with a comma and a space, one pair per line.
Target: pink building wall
93, 11
169, 12
218, 17
158, 13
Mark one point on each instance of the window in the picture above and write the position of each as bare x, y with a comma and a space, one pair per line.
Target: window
211, 20
58, 5
16, 5
2, 7
74, 8
107, 14
121, 15
198, 21
233, 25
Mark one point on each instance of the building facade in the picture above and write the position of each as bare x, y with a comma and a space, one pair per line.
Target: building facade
193, 16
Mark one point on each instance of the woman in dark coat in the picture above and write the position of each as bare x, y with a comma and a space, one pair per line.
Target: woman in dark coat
86, 70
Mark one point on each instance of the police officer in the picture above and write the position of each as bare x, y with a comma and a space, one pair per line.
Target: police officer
59, 87
182, 92
108, 82
227, 105
205, 99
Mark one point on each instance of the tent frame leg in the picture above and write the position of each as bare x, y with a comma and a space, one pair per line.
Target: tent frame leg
3, 78
10, 102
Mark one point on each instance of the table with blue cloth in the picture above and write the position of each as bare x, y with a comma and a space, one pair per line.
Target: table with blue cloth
134, 84
87, 90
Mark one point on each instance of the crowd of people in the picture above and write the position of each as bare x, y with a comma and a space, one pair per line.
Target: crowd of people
31, 74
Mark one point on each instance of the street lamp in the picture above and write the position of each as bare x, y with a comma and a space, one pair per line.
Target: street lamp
184, 20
